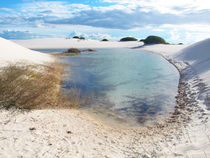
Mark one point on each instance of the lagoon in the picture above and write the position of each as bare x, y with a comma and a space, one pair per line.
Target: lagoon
126, 86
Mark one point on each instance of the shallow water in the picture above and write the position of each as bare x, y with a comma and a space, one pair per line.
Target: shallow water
126, 85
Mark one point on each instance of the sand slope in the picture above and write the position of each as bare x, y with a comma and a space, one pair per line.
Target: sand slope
75, 43
198, 57
194, 64
11, 52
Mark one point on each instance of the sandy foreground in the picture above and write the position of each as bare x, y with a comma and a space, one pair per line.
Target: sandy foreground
75, 134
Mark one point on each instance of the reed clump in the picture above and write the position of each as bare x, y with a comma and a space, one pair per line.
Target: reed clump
36, 87
30, 86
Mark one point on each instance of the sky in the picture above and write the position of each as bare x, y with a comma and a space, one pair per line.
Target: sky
177, 21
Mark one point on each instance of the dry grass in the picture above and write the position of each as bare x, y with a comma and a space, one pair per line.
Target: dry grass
28, 86
37, 87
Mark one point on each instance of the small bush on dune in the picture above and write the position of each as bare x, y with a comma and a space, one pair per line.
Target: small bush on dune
153, 40
82, 38
88, 50
128, 39
104, 40
69, 52
73, 50
77, 37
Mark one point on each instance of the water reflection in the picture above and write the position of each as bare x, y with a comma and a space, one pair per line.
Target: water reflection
125, 85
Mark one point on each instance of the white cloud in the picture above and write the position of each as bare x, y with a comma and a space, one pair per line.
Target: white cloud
128, 8
174, 35
6, 9
187, 33
169, 6
189, 27
184, 21
54, 9
15, 34
158, 30
95, 36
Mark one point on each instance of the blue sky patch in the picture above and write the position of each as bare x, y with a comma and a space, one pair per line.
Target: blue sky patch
176, 21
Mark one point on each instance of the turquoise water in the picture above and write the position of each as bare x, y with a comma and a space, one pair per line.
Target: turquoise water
125, 85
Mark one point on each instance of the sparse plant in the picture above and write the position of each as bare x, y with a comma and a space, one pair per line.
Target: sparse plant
128, 39
77, 37
73, 50
82, 38
154, 40
28, 86
105, 40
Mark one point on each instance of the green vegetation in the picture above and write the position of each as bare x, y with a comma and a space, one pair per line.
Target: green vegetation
82, 38
154, 40
104, 40
128, 39
70, 52
77, 37
73, 50
29, 87
88, 50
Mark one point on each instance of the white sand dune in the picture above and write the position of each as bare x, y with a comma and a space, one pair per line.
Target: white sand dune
76, 43
11, 52
74, 134
194, 63
198, 57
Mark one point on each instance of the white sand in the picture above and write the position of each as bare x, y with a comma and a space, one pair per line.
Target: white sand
194, 63
75, 43
11, 52
90, 138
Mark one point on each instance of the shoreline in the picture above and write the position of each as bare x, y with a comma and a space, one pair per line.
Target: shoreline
189, 109
181, 117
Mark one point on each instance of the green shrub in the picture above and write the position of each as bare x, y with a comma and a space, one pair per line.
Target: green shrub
77, 37
73, 50
28, 87
128, 39
154, 40
104, 40
88, 50
82, 38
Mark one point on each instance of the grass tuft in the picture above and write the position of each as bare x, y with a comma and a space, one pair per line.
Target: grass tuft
28, 86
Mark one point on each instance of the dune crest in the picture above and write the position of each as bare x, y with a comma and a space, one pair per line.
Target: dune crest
198, 57
11, 52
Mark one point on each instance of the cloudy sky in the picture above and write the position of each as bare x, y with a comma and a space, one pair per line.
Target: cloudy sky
177, 21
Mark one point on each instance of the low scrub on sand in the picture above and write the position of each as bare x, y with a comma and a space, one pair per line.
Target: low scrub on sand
82, 38
105, 40
154, 40
70, 52
74, 51
128, 39
28, 86
76, 37
36, 87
